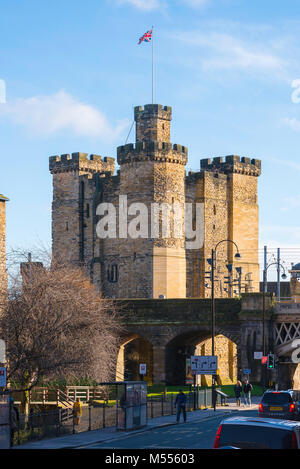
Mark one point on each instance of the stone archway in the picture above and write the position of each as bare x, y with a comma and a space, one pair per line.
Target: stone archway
198, 342
134, 350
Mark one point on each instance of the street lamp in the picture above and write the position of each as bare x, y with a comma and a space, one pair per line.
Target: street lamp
213, 266
283, 276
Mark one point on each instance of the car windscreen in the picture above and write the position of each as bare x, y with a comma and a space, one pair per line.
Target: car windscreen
255, 436
276, 398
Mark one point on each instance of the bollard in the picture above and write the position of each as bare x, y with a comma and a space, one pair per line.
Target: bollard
90, 419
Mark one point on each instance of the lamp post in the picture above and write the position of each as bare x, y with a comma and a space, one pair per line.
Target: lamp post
283, 276
213, 266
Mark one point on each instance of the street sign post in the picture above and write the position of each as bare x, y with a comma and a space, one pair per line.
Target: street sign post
204, 364
258, 355
2, 351
2, 377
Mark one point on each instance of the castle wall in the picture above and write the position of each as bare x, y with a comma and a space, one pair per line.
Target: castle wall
152, 172
70, 213
243, 228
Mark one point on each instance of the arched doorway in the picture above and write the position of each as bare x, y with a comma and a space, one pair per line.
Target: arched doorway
198, 342
134, 351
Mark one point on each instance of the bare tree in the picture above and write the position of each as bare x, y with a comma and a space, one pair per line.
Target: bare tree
56, 325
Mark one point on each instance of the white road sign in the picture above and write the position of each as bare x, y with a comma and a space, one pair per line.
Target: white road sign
143, 368
2, 377
204, 364
258, 355
2, 351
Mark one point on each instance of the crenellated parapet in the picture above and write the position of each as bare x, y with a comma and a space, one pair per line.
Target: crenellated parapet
153, 110
153, 150
81, 162
232, 164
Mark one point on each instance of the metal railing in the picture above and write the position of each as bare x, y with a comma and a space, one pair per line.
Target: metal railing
62, 421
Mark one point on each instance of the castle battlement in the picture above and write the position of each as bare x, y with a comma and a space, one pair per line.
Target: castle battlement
232, 164
127, 261
194, 176
153, 110
80, 162
153, 150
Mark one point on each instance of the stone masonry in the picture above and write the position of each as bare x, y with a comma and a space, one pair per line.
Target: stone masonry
153, 170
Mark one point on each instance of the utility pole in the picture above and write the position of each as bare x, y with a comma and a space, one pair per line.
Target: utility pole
278, 274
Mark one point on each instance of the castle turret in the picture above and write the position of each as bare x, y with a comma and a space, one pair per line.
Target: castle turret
295, 282
72, 206
152, 173
228, 189
153, 123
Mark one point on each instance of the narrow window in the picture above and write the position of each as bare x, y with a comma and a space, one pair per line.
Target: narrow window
87, 210
113, 274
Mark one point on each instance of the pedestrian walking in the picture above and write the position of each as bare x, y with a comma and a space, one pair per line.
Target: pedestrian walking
14, 420
237, 392
77, 411
247, 392
180, 401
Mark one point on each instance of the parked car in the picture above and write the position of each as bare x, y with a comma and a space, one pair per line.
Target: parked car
280, 405
257, 433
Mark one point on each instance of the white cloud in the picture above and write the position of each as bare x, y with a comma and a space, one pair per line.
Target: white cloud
285, 236
146, 5
293, 123
48, 114
224, 51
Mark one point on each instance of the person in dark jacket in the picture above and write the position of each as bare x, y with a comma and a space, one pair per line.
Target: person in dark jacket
247, 392
237, 392
14, 420
180, 401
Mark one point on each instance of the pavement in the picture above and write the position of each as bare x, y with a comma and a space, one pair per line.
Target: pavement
109, 434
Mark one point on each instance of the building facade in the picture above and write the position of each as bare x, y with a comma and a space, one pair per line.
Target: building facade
219, 202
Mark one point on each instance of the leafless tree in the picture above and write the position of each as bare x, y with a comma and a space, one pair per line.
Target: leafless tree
56, 325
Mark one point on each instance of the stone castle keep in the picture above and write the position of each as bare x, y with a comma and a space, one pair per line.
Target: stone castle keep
153, 171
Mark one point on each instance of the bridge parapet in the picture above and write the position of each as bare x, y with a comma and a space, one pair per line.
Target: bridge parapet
287, 308
254, 302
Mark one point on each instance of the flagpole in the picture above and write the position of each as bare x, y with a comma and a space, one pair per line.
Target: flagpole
152, 65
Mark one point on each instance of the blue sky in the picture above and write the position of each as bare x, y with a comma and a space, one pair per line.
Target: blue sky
73, 72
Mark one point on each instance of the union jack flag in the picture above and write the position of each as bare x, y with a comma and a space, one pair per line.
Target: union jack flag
146, 37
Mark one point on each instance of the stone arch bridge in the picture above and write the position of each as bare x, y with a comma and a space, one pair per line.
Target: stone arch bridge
163, 332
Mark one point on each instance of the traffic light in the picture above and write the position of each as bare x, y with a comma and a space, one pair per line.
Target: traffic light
271, 361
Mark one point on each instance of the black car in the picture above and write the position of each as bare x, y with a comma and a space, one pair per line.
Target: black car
280, 405
257, 433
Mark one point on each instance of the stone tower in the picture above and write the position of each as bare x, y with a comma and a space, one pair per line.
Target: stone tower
152, 172
151, 182
3, 275
228, 190
295, 283
72, 206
